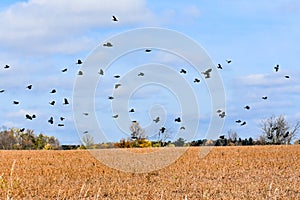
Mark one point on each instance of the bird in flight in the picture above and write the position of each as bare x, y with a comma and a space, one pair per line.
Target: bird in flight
286, 76
182, 128
29, 87
156, 120
177, 119
1, 91
276, 68
163, 129
114, 18
117, 85
61, 118
117, 76
111, 98
86, 114
183, 71
131, 110
148, 50
264, 97
66, 102
115, 116
141, 74
52, 103
222, 114
51, 120
30, 117
6, 67
53, 91
60, 125
238, 121
22, 129
228, 61
219, 66
207, 73
80, 73
79, 62
244, 123
197, 80
107, 44
101, 72
247, 107
16, 102
64, 70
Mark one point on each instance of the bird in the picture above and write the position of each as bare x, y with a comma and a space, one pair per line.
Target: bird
66, 102
101, 72
219, 111
264, 97
222, 137
141, 74
286, 134
6, 67
156, 120
247, 107
79, 62
197, 80
60, 125
115, 116
219, 66
16, 102
286, 76
207, 73
228, 61
222, 115
183, 71
64, 70
86, 114
1, 91
111, 98
80, 73
244, 123
117, 76
114, 18
148, 50
238, 121
61, 118
22, 129
53, 91
51, 120
85, 132
182, 128
117, 85
29, 87
163, 129
28, 117
177, 119
107, 44
276, 68
52, 103
33, 116
131, 110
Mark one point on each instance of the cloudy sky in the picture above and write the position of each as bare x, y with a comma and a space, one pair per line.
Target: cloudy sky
39, 38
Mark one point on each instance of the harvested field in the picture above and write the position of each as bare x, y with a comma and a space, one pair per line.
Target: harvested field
256, 172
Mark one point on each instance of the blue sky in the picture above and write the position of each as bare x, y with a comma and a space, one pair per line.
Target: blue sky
39, 38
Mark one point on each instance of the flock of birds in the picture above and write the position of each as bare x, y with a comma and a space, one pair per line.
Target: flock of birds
206, 74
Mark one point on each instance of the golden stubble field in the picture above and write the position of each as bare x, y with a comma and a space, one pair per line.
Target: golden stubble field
256, 172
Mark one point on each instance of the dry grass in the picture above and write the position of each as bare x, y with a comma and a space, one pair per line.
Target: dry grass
260, 172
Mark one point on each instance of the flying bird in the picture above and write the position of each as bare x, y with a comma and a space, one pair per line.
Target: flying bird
60, 125
238, 121
27, 116
85, 132
111, 98
182, 128
163, 129
222, 115
286, 76
79, 62
141, 74
33, 116
107, 44
117, 85
276, 68
29, 87
6, 67
52, 103
219, 111
148, 50
219, 66
22, 129
264, 97
183, 71
115, 116
177, 119
114, 18
207, 73
64, 70
51, 120
247, 107
16, 102
1, 91
61, 118
86, 114
244, 123
197, 80
101, 72
117, 76
66, 102
228, 61
80, 73
156, 120
53, 91
131, 110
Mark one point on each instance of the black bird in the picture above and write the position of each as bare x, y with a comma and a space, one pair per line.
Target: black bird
117, 76
16, 102
183, 71
114, 18
85, 132
207, 73
222, 115
52, 103
131, 110
79, 62
115, 116
53, 91
219, 111
6, 66
264, 97
286, 76
276, 68
111, 98
197, 80
117, 85
182, 128
66, 102
107, 44
1, 91
163, 129
141, 74
177, 119
244, 123
60, 125
238, 121
286, 134
101, 72
33, 116
80, 73
247, 107
222, 137
228, 61
51, 120
29, 87
22, 129
156, 120
28, 117
86, 114
64, 70
148, 50
219, 66
61, 118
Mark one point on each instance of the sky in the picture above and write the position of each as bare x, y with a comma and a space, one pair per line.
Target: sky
39, 38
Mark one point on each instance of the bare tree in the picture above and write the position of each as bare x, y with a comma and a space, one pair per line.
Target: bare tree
276, 130
88, 141
232, 136
137, 132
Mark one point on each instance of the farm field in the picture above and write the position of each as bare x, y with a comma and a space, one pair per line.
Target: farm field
254, 172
